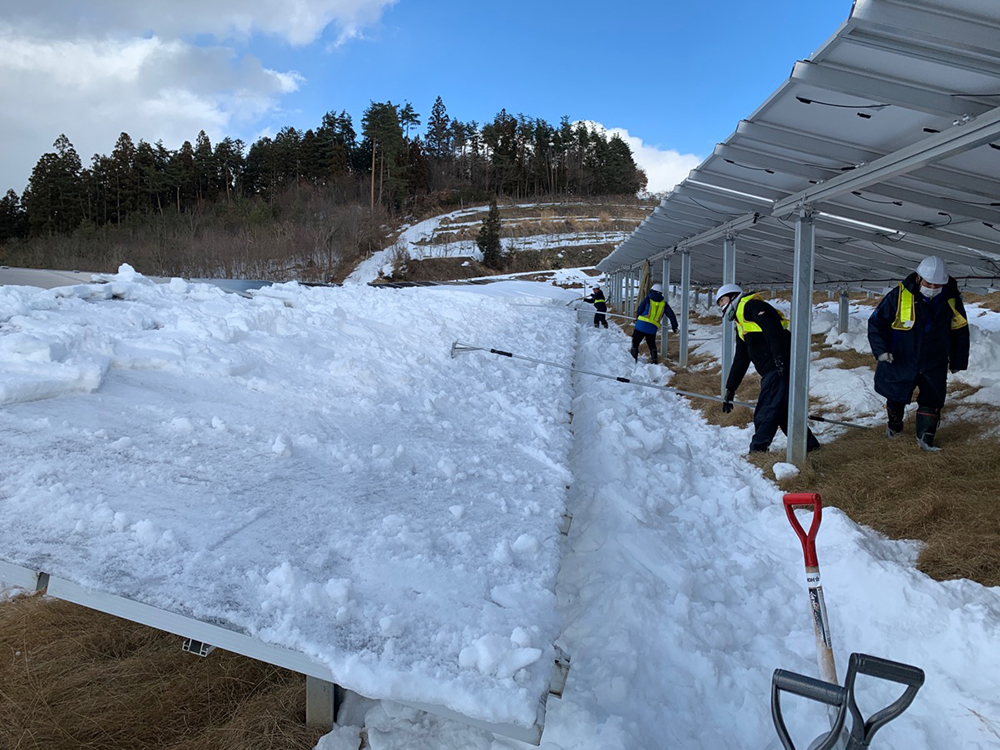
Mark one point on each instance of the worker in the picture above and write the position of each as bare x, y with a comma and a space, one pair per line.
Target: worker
919, 332
647, 322
596, 298
763, 339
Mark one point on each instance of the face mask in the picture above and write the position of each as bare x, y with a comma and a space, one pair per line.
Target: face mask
930, 293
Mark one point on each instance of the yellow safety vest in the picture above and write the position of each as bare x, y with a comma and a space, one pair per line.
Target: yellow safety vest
743, 326
655, 313
906, 312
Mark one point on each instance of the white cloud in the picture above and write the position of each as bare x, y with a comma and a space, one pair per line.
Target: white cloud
93, 90
664, 168
116, 66
298, 22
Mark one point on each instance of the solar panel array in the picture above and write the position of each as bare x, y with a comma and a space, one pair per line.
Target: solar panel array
889, 135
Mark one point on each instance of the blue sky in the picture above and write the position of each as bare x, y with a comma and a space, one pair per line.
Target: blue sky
673, 78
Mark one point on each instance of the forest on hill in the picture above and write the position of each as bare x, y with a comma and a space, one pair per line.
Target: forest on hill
303, 204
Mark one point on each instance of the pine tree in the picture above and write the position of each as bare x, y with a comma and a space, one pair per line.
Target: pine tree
439, 136
13, 219
488, 240
55, 195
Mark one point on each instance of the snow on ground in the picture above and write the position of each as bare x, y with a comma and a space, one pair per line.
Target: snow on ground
680, 587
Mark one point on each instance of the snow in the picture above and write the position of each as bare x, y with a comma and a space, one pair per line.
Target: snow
313, 467
421, 241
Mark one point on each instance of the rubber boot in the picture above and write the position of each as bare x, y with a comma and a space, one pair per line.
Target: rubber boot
927, 422
635, 353
654, 356
894, 412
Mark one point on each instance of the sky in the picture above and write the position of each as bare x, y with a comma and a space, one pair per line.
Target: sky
315, 467
672, 78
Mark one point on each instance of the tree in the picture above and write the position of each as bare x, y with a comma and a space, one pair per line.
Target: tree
54, 199
230, 164
408, 118
182, 177
337, 144
13, 218
622, 177
205, 168
488, 240
389, 150
124, 188
439, 135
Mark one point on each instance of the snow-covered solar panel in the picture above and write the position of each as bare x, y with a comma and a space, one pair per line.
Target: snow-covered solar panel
895, 76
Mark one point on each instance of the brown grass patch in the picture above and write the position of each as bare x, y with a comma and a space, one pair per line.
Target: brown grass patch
947, 500
703, 375
848, 359
73, 678
988, 301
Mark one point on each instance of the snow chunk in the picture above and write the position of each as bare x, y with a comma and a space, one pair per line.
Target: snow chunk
783, 470
282, 446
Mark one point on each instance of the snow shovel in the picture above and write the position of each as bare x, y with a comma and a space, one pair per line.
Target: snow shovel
832, 695
842, 698
817, 606
913, 677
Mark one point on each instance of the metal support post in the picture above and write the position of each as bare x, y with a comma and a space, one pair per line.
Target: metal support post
664, 332
634, 277
728, 329
682, 357
842, 311
801, 328
322, 699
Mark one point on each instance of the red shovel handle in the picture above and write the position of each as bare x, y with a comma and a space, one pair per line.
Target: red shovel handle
805, 500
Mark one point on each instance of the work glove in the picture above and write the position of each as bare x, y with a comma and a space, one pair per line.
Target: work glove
779, 365
727, 405
885, 357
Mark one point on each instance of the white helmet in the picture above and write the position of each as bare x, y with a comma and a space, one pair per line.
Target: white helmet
656, 288
933, 270
727, 290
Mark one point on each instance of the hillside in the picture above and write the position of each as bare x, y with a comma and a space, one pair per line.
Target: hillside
534, 237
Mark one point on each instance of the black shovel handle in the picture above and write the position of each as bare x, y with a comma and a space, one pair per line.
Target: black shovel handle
913, 677
807, 687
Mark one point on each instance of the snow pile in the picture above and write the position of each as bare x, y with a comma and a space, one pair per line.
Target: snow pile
309, 466
313, 467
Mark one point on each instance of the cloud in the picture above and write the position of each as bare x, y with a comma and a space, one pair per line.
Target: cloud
115, 66
664, 168
298, 22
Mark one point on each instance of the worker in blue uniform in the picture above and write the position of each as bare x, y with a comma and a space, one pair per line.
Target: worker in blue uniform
647, 322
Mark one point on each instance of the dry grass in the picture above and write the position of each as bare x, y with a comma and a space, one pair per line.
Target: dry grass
73, 678
947, 500
988, 301
848, 359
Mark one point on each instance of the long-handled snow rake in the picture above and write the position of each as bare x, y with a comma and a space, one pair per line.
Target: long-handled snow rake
459, 348
843, 700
